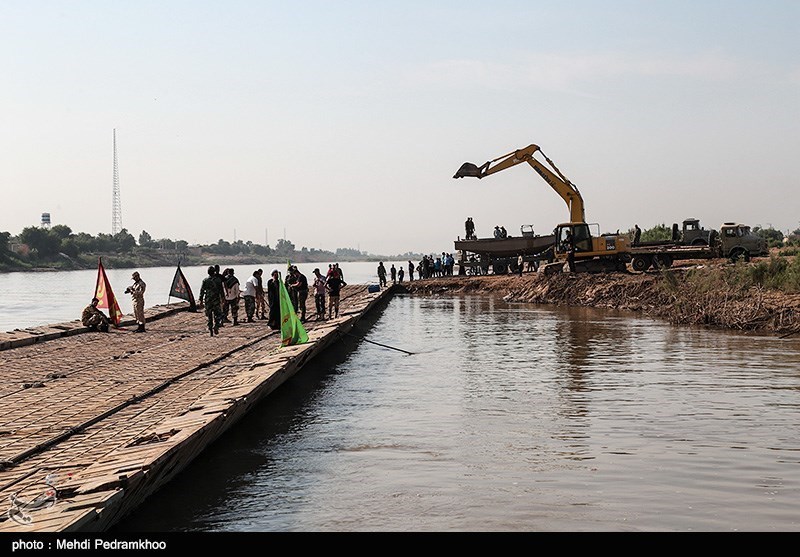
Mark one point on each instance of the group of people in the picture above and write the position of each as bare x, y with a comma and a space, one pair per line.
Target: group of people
437, 266
500, 232
431, 266
221, 292
469, 228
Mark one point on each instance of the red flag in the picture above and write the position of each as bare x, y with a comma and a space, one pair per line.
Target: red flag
181, 289
106, 296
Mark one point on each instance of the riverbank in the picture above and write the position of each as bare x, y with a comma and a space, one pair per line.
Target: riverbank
713, 295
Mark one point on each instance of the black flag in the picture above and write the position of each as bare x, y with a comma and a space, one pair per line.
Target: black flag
181, 289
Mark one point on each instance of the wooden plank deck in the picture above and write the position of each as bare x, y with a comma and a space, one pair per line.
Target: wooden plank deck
107, 419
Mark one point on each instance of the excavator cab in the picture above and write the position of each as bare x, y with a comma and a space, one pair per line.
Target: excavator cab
593, 252
576, 236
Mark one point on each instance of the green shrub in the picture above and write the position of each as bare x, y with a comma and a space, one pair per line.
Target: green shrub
779, 273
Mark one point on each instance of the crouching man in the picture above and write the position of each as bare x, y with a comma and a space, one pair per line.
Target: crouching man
94, 318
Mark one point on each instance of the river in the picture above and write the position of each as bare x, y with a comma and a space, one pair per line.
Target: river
509, 417
506, 417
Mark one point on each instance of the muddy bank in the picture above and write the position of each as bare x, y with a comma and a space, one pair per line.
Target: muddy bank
699, 295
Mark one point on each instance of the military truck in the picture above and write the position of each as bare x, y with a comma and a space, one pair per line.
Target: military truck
734, 241
692, 234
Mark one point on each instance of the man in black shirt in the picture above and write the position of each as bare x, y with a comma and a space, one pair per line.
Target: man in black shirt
302, 293
334, 286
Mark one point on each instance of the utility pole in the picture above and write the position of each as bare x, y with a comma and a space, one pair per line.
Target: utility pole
116, 204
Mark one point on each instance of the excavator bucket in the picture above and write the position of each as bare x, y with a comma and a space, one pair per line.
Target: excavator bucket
468, 169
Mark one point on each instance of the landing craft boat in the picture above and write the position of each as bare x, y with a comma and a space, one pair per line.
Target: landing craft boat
476, 255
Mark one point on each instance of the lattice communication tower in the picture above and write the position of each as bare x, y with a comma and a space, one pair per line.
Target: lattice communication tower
116, 204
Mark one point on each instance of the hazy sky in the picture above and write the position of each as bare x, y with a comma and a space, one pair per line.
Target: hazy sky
342, 123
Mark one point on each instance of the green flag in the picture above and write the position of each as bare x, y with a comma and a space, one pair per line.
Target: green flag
292, 331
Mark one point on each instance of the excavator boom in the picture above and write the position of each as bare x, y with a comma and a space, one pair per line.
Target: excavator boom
552, 175
574, 241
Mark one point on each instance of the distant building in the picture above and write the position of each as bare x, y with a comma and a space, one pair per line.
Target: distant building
19, 248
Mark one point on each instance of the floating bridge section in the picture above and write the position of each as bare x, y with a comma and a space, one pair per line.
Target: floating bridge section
94, 423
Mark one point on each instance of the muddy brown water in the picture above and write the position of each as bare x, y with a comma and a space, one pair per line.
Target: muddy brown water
510, 417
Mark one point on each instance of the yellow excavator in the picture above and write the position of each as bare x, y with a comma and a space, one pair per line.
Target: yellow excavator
574, 242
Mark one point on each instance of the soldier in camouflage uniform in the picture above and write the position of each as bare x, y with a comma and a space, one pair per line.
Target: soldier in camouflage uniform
94, 318
136, 290
211, 296
221, 282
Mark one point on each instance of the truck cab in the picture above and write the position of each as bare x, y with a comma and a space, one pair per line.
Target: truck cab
696, 235
737, 241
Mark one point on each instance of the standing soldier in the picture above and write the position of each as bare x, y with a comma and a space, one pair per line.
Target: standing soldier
261, 299
211, 293
410, 271
136, 290
291, 281
226, 307
334, 286
381, 274
220, 280
319, 294
302, 293
232, 291
250, 296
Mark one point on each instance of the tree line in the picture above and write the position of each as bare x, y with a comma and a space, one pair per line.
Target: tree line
60, 245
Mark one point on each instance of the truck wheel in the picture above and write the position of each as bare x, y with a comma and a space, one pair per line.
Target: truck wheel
663, 261
499, 268
640, 263
738, 254
699, 242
